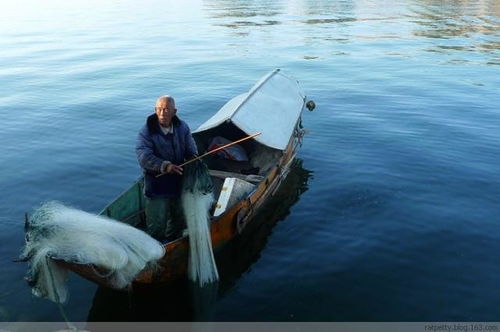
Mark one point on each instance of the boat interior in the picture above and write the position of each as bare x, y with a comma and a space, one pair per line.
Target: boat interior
260, 157
238, 178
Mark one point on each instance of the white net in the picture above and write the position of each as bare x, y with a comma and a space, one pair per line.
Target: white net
202, 268
197, 199
60, 232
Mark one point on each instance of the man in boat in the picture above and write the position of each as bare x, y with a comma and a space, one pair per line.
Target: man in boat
163, 144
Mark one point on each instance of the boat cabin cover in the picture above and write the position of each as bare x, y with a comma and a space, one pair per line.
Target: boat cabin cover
272, 107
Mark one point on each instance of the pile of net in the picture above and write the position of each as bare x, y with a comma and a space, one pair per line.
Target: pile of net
60, 232
197, 198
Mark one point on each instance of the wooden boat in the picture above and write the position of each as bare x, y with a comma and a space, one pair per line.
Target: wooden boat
273, 107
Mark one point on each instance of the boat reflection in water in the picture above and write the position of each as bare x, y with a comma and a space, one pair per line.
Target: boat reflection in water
182, 300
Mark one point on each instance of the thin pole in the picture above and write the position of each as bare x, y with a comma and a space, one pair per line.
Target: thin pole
215, 150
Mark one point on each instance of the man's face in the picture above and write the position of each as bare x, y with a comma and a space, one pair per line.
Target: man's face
165, 111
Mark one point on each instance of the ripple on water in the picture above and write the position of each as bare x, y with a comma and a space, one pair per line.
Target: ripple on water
399, 221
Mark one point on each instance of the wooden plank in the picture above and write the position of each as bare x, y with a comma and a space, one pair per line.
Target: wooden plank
252, 178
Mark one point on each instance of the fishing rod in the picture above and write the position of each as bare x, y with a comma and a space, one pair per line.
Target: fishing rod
215, 150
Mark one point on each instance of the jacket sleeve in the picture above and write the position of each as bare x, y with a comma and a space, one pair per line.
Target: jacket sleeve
144, 151
190, 149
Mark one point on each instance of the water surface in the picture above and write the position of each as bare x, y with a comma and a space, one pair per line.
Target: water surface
400, 219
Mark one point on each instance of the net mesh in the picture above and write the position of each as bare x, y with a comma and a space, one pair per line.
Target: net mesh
75, 236
197, 198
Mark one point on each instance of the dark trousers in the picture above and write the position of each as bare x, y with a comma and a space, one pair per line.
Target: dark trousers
164, 218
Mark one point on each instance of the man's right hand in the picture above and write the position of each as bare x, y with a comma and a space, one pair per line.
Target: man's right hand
172, 168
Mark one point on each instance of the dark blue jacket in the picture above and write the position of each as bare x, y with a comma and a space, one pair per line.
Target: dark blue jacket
153, 147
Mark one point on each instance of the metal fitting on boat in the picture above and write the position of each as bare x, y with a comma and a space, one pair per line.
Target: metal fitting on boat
310, 105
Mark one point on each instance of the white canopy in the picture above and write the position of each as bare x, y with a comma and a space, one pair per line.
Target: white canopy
272, 107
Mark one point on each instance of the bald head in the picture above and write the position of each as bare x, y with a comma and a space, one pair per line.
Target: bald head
165, 110
165, 100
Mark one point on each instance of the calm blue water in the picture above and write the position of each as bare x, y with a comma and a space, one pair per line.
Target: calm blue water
399, 213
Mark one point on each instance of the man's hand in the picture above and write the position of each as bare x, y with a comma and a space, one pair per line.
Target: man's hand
172, 168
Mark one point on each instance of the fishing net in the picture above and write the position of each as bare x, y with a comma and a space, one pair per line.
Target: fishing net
197, 179
197, 198
60, 232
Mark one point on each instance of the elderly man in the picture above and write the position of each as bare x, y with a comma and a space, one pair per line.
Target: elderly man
163, 143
